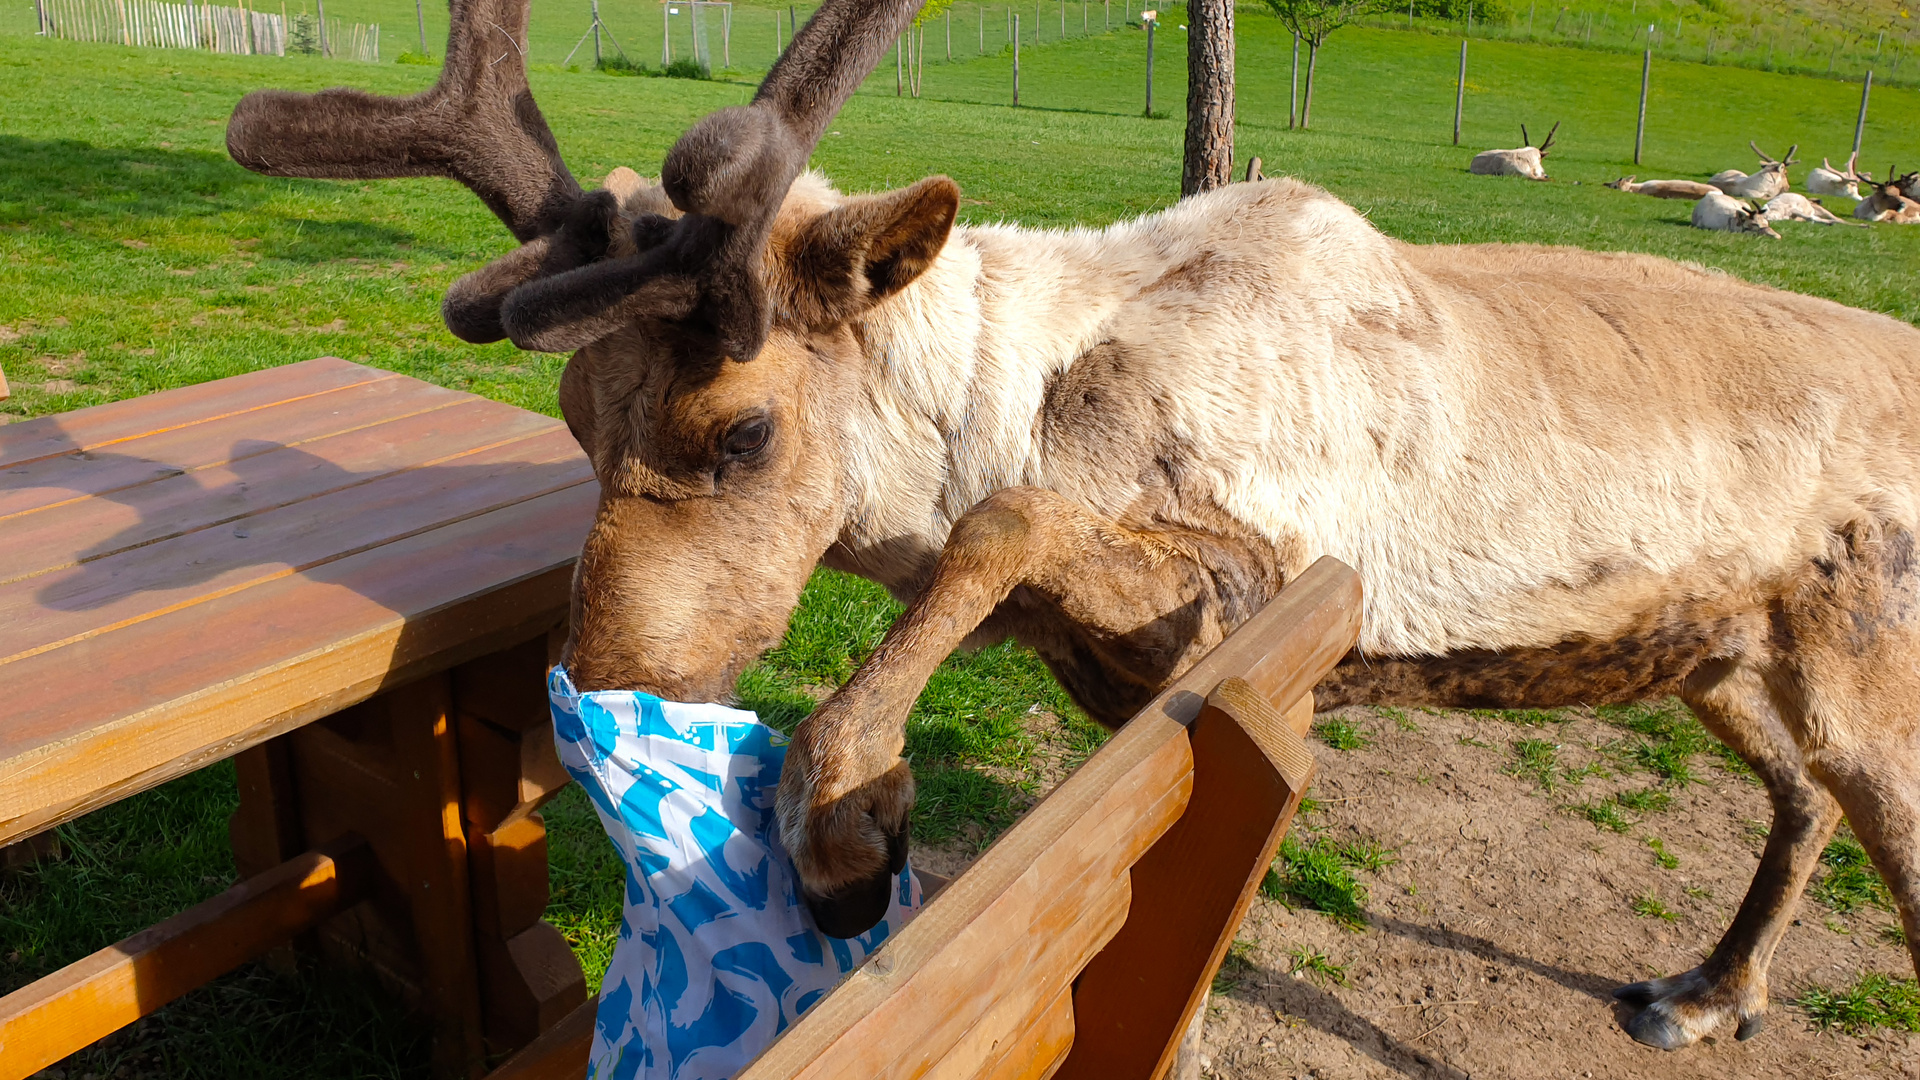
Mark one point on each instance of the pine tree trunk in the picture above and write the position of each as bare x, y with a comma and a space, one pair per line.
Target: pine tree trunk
1306, 100
1208, 162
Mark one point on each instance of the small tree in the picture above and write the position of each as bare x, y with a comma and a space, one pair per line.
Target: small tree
1313, 20
916, 42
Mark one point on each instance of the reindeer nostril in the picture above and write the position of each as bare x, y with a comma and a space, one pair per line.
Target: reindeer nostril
854, 908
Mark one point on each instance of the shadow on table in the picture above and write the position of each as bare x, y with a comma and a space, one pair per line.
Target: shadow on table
276, 506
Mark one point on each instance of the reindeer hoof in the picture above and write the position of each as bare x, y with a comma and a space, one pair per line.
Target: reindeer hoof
856, 907
1750, 1026
1654, 1027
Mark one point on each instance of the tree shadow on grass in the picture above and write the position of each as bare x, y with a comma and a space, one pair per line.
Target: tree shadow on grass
67, 184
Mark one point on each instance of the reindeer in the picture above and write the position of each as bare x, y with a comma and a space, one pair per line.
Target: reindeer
1663, 189
1528, 161
1564, 476
1792, 206
1908, 184
1888, 202
1723, 213
1771, 180
1826, 180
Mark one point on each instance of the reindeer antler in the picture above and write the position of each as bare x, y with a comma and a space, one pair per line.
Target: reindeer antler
1790, 159
1762, 154
1525, 139
1548, 141
479, 125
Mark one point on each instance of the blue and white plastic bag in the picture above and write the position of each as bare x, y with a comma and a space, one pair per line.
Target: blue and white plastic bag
717, 955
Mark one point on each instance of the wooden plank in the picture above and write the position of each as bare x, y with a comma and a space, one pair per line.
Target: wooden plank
1001, 1034
85, 530
560, 1053
59, 608
54, 480
1133, 1001
166, 699
49, 1019
105, 425
937, 973
1041, 1048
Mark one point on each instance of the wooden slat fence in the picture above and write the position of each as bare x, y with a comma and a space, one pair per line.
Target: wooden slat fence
239, 31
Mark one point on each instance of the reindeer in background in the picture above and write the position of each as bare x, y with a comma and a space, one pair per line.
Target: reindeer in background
1724, 213
1771, 180
1564, 477
1528, 161
1889, 202
1663, 189
1827, 180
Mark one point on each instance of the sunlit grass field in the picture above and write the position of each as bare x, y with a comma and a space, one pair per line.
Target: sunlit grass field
134, 256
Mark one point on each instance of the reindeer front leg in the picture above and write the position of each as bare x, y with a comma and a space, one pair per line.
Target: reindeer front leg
1142, 605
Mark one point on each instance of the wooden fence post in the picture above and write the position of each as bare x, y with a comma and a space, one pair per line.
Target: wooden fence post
1151, 23
1016, 61
1293, 86
1860, 125
1460, 92
1646, 75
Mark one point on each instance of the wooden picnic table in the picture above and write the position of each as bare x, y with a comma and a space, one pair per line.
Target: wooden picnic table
351, 581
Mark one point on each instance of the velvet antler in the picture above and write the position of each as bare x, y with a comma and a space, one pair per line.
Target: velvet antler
561, 290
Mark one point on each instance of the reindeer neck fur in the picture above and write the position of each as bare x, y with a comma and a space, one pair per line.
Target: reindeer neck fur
1516, 446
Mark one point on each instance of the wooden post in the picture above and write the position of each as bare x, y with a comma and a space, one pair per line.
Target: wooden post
1460, 93
899, 68
1016, 61
1860, 125
321, 5
949, 17
666, 35
983, 28
1151, 23
596, 35
420, 15
1646, 76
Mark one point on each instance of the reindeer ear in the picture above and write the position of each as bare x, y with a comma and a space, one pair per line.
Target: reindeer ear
866, 249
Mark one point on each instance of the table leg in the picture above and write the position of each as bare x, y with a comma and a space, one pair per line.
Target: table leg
529, 977
444, 778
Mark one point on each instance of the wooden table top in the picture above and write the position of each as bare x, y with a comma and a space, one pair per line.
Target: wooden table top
187, 574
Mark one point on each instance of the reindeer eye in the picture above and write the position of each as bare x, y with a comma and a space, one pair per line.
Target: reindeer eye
748, 437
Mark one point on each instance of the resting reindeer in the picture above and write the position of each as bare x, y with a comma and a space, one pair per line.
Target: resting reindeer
1663, 189
1793, 206
1826, 180
1888, 202
1564, 476
1723, 213
1771, 180
1528, 161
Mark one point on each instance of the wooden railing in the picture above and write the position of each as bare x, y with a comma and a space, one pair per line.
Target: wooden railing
1083, 943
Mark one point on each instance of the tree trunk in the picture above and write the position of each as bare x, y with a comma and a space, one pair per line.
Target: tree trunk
1306, 100
1208, 162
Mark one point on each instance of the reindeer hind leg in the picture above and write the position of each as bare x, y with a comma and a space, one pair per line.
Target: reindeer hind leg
1732, 700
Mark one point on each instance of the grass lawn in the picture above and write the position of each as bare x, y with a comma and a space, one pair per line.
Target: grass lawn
134, 257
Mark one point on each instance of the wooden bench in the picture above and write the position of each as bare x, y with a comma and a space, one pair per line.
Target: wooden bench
1083, 943
349, 581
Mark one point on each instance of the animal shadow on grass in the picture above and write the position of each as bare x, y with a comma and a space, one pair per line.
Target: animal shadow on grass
49, 185
278, 508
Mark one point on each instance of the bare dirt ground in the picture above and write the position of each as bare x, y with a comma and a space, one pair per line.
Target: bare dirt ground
1497, 933
1519, 915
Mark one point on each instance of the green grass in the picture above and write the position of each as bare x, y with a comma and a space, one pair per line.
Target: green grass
1873, 1001
1317, 874
1649, 906
134, 256
1604, 814
1664, 859
1317, 966
1341, 734
1848, 881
